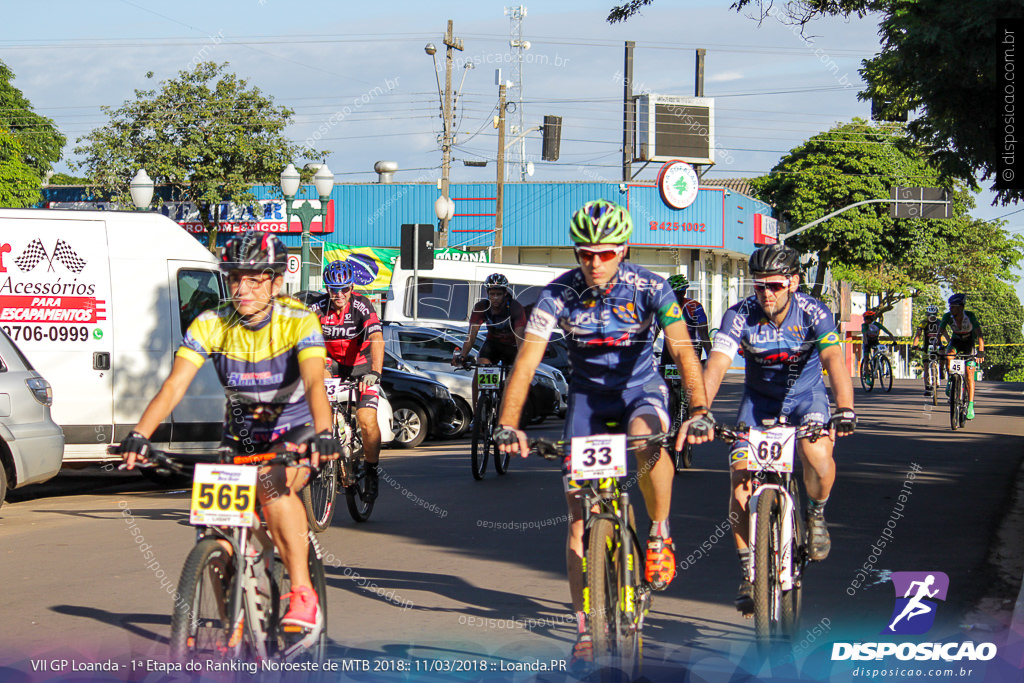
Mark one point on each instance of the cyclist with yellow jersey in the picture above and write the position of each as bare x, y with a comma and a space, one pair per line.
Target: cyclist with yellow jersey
268, 351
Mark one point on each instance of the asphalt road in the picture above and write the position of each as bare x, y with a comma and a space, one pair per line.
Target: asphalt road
450, 572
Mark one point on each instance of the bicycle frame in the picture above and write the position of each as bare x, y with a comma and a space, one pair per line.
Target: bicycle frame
787, 566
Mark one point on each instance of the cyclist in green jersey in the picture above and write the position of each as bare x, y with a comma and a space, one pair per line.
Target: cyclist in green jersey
964, 337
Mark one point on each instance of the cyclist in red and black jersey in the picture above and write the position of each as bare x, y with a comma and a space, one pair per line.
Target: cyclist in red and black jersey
505, 319
355, 350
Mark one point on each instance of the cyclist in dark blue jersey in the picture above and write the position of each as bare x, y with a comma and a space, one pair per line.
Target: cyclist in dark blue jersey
786, 338
607, 309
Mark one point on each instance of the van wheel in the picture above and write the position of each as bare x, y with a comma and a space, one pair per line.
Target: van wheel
459, 423
409, 424
3, 482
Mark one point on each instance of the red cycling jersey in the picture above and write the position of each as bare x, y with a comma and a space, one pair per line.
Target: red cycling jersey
347, 334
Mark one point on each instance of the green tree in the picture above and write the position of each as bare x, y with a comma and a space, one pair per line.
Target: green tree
1001, 316
29, 145
19, 184
939, 58
891, 259
206, 135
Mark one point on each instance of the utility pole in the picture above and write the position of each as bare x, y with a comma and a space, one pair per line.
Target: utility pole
451, 43
500, 195
628, 115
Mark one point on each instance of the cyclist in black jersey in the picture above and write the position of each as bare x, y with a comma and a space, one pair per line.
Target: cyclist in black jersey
931, 334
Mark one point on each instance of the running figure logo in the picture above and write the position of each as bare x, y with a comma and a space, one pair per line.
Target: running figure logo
915, 608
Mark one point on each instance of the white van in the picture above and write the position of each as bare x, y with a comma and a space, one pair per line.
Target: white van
98, 300
447, 293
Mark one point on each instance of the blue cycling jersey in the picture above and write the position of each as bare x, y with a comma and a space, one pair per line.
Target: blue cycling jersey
610, 329
781, 361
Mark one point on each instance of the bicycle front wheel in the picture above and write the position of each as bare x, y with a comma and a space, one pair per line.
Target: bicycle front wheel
201, 625
501, 460
792, 600
603, 587
768, 545
954, 402
885, 374
358, 496
319, 494
867, 379
480, 437
933, 375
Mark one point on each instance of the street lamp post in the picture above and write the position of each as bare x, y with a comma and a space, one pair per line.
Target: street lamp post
141, 189
451, 43
306, 212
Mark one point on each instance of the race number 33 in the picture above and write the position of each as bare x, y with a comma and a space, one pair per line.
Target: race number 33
223, 495
598, 456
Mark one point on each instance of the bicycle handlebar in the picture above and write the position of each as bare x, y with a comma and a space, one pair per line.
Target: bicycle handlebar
741, 432
552, 450
284, 451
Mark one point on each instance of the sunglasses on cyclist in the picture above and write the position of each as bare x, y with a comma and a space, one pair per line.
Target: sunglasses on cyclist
343, 290
774, 286
603, 255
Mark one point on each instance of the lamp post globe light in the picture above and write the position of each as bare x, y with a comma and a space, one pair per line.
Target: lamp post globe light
306, 212
141, 189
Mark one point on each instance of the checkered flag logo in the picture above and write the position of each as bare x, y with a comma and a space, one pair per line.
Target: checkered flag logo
33, 254
67, 256
62, 253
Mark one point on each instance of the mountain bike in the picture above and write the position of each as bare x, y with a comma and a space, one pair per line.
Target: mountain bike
678, 409
350, 471
616, 596
958, 394
778, 531
490, 382
230, 602
876, 365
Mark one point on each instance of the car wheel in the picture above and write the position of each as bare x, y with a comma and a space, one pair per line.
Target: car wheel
409, 424
3, 482
459, 423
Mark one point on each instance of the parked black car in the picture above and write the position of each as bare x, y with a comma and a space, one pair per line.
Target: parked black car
421, 406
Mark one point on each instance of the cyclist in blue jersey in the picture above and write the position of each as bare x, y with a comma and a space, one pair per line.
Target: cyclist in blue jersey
268, 351
786, 338
608, 310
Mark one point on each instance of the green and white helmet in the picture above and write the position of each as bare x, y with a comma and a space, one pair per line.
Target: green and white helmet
601, 222
679, 283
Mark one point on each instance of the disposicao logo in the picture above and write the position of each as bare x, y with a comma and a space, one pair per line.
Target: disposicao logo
917, 594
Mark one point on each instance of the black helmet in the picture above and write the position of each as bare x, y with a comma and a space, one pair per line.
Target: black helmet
774, 259
254, 250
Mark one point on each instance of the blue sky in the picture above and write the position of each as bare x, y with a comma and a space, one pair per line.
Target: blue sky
357, 73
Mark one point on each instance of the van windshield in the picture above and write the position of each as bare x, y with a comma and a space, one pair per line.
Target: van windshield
440, 299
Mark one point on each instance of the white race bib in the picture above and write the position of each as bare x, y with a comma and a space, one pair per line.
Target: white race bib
598, 456
771, 449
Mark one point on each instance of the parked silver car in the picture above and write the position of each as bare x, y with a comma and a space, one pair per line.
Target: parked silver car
31, 443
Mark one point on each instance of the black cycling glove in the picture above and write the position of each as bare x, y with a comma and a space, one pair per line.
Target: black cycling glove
844, 421
370, 379
325, 444
135, 443
704, 425
506, 436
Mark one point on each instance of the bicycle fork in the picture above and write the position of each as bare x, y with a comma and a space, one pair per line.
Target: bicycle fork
787, 521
